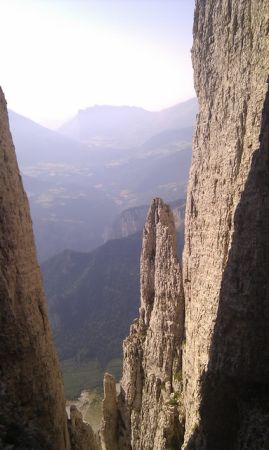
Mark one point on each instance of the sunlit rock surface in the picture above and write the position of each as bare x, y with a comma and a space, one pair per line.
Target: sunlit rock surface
226, 258
149, 403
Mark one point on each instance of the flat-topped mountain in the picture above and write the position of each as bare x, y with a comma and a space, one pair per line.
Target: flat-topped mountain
125, 126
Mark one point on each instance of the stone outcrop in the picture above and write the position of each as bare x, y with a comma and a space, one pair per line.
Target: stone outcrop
31, 391
109, 426
132, 220
202, 384
32, 404
224, 404
150, 400
226, 257
81, 434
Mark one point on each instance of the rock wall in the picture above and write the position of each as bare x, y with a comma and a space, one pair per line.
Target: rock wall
81, 434
149, 403
31, 391
132, 220
110, 415
32, 412
220, 401
226, 257
225, 397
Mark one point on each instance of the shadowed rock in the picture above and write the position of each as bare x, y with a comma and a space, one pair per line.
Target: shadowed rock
81, 434
226, 257
31, 391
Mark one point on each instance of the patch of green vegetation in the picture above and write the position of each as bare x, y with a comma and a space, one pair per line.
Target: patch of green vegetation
174, 445
93, 299
178, 376
174, 399
143, 334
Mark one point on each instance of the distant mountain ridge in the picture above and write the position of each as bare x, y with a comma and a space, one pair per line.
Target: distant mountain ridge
36, 144
76, 190
93, 297
132, 220
127, 126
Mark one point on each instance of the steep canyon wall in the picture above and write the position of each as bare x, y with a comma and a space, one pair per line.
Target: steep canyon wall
226, 357
224, 403
31, 391
202, 384
32, 404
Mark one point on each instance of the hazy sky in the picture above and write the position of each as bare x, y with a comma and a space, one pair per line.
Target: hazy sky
61, 55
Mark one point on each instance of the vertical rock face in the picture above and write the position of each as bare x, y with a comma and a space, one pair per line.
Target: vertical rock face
32, 413
226, 257
81, 434
109, 426
150, 398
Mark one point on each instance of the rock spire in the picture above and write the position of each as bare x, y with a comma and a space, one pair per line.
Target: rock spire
151, 386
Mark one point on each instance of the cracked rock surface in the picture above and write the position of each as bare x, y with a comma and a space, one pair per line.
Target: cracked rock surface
32, 412
151, 385
226, 257
31, 389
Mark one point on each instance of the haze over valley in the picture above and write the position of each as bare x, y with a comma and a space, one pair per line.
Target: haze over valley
134, 283
80, 178
89, 183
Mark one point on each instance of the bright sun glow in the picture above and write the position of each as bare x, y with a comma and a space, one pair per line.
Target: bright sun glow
58, 56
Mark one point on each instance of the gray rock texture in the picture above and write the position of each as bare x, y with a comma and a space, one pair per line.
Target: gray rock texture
132, 220
226, 257
224, 404
32, 404
31, 391
109, 426
149, 402
81, 434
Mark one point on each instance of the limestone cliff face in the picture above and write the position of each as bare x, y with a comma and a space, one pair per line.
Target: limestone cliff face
31, 392
32, 412
151, 384
82, 436
225, 397
132, 220
226, 258
110, 415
